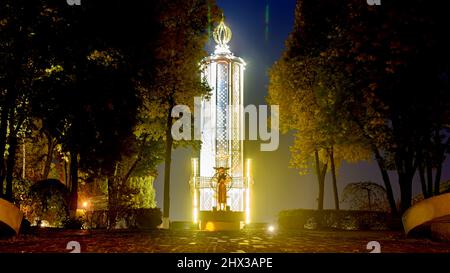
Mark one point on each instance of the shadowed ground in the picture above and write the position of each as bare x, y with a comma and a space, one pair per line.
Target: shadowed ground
203, 241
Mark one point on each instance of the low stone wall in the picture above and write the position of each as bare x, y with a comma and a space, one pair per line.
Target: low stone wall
337, 219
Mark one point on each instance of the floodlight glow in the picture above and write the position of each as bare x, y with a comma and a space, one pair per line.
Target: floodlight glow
247, 191
195, 199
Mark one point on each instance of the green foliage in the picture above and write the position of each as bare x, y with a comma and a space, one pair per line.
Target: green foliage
354, 77
22, 191
51, 207
145, 192
89, 96
308, 83
309, 86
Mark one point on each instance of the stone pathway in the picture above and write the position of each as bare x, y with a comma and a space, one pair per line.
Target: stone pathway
223, 242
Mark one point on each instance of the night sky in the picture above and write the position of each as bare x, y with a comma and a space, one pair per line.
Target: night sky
276, 186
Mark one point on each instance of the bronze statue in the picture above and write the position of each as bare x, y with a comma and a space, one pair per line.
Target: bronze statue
222, 180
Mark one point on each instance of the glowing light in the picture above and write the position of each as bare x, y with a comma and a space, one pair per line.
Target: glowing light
247, 191
210, 226
195, 212
222, 35
194, 166
195, 199
195, 215
247, 207
85, 204
44, 223
271, 228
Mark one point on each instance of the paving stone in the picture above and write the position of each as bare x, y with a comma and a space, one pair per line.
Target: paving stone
102, 241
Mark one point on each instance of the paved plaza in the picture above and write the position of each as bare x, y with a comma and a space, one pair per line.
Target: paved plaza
164, 241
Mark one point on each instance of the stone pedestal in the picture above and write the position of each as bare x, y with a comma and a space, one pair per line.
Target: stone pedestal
221, 220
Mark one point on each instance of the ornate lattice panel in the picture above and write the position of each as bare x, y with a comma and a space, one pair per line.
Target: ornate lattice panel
222, 111
236, 169
221, 121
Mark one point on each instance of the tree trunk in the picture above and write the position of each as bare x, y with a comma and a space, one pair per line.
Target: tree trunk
429, 170
439, 159
66, 176
321, 179
24, 162
112, 210
437, 179
333, 176
3, 131
133, 166
10, 162
73, 182
386, 180
405, 181
167, 163
49, 157
423, 182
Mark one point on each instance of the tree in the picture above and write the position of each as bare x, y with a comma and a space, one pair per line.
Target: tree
18, 68
399, 61
89, 100
162, 53
176, 76
380, 56
311, 96
365, 196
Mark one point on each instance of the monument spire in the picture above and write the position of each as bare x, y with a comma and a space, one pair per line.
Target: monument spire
220, 181
222, 35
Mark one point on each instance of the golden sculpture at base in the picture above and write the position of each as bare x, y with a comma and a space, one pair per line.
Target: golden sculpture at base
222, 180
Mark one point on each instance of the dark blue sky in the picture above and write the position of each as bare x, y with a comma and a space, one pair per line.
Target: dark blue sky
276, 186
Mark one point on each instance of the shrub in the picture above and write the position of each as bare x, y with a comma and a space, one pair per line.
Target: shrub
44, 201
336, 219
73, 223
148, 218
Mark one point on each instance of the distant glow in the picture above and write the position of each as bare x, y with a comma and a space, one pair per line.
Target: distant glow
44, 223
248, 168
194, 166
210, 226
247, 208
195, 216
247, 191
195, 199
271, 228
85, 204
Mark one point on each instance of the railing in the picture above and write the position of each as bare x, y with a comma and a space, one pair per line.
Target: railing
202, 182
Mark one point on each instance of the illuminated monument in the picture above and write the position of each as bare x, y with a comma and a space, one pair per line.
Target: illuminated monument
220, 180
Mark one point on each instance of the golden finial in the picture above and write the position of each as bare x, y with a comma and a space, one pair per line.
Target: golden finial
222, 34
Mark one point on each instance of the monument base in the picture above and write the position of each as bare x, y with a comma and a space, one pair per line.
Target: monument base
221, 220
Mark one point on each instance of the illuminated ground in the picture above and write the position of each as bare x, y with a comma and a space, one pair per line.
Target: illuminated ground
197, 241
